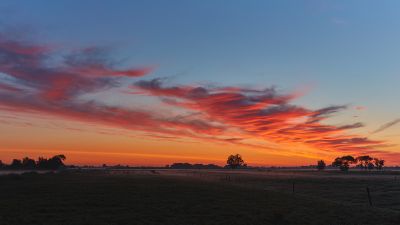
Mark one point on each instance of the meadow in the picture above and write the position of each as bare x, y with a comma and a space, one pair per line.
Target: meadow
107, 197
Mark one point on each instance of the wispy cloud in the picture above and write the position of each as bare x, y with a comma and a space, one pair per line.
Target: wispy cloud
360, 108
55, 89
221, 114
264, 114
386, 126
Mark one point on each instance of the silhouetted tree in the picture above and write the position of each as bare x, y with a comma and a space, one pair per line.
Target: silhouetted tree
321, 165
364, 161
379, 163
16, 164
53, 163
370, 166
344, 162
235, 161
28, 163
42, 163
56, 162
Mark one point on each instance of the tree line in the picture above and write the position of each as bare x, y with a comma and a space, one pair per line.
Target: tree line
364, 162
52, 163
233, 162
193, 166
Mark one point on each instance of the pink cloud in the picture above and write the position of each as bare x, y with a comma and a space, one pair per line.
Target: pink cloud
221, 114
360, 108
264, 114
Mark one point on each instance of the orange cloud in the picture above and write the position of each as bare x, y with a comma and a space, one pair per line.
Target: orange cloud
263, 114
219, 114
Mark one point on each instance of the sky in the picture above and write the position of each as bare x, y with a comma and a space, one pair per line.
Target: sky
282, 83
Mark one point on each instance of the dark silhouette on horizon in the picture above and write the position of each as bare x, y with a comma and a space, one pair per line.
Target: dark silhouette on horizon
321, 165
364, 162
235, 161
53, 163
193, 166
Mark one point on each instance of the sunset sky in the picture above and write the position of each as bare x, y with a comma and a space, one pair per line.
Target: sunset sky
155, 82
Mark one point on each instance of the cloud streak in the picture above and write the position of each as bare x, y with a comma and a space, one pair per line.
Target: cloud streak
56, 89
262, 114
236, 115
386, 126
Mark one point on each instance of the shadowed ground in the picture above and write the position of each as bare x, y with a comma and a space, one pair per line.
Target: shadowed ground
99, 198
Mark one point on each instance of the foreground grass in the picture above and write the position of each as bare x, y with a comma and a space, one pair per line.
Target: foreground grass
100, 199
347, 188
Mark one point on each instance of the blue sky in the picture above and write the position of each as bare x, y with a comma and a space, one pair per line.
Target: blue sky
345, 48
342, 52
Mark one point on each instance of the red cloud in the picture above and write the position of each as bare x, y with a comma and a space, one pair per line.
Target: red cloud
82, 71
101, 71
227, 114
54, 90
263, 114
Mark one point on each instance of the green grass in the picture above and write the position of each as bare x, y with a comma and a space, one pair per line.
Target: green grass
102, 199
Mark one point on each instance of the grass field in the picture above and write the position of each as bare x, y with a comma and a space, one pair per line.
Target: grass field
199, 197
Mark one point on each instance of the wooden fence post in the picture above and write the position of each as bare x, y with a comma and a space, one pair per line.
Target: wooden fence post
369, 197
293, 187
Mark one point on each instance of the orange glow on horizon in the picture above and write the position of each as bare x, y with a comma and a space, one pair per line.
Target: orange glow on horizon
77, 105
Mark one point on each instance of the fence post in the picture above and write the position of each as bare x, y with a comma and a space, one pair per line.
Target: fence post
293, 187
369, 197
